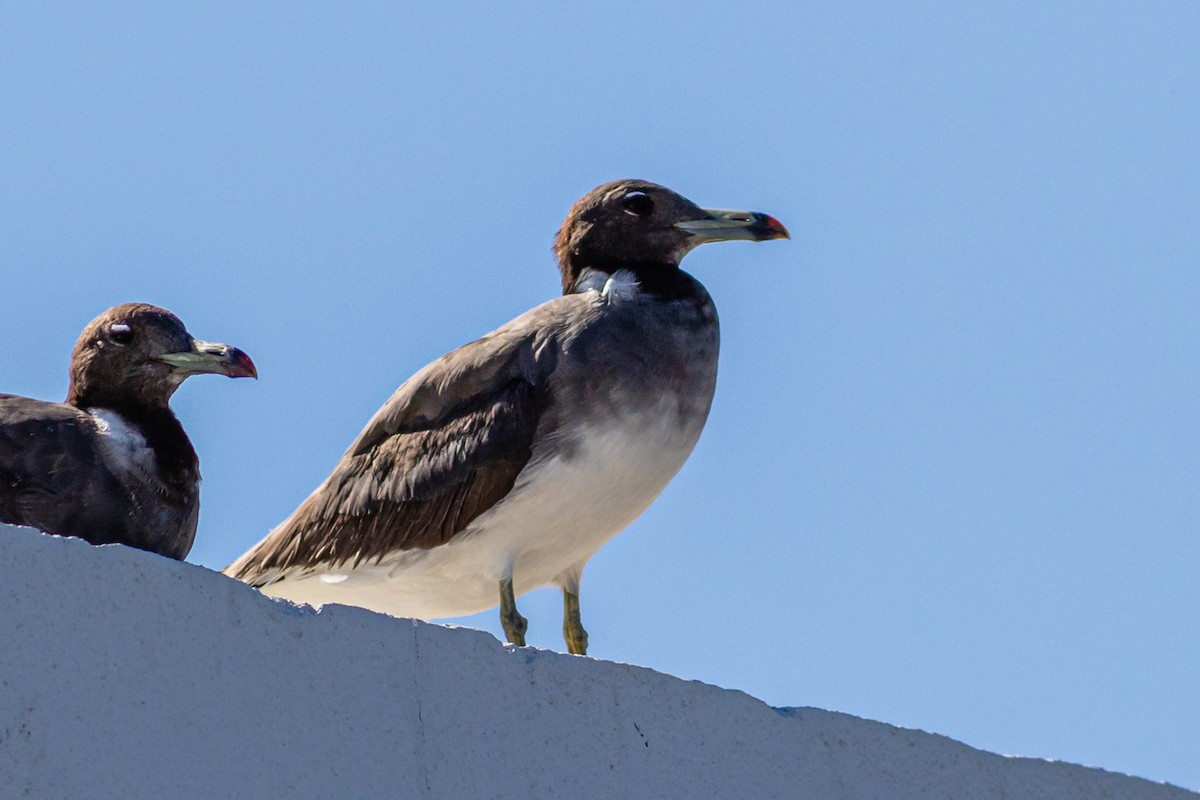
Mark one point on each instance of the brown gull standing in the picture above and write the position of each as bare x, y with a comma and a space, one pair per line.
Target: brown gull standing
506, 464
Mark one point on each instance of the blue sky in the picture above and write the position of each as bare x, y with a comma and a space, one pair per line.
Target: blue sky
951, 479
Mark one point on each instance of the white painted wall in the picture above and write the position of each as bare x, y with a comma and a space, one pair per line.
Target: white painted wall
126, 675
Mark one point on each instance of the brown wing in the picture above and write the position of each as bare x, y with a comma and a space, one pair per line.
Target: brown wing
445, 448
52, 475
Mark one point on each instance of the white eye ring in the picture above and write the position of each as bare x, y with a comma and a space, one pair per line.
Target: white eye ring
120, 334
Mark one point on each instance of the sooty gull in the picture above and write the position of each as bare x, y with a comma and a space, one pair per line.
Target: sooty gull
506, 464
112, 464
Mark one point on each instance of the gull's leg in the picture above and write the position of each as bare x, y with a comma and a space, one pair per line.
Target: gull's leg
514, 624
573, 633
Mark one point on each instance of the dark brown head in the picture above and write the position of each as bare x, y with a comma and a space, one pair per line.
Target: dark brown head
137, 355
632, 224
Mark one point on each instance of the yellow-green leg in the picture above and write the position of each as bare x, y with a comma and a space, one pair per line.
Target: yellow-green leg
514, 624
573, 632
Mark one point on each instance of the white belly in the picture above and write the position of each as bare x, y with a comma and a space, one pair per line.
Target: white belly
561, 511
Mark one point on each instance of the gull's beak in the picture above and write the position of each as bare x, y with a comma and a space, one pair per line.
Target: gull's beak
722, 226
211, 357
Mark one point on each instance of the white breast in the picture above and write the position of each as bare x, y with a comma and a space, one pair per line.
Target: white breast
126, 449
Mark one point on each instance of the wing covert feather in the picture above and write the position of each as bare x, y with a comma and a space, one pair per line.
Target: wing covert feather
445, 448
52, 475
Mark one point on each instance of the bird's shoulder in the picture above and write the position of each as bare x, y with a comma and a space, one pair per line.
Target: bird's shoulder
523, 352
17, 411
31, 430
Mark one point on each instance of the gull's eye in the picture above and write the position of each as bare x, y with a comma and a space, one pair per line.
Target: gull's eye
120, 334
638, 204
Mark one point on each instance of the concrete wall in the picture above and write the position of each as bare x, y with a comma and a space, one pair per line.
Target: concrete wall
125, 675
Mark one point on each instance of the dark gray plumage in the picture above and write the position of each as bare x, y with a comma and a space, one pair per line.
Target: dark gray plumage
508, 462
112, 464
